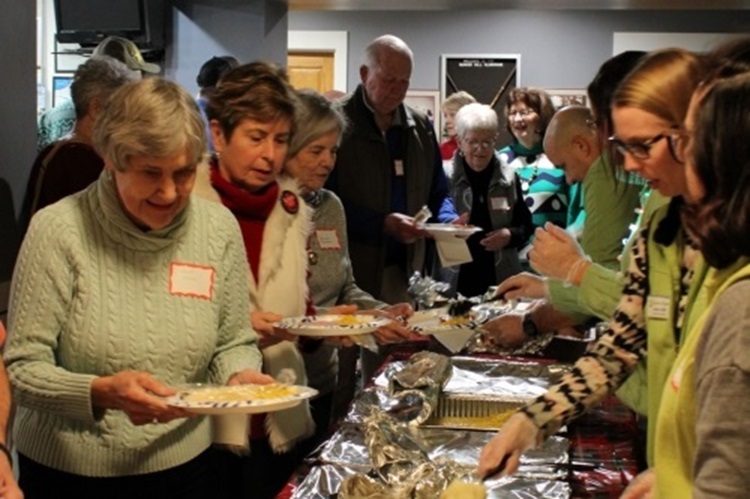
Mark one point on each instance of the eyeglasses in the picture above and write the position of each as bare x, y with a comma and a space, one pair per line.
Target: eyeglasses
521, 112
642, 150
679, 142
477, 144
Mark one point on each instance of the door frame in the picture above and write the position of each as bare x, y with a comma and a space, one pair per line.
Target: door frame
324, 41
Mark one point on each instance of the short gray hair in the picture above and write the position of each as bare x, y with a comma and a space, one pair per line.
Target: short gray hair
152, 117
385, 43
96, 79
316, 116
476, 116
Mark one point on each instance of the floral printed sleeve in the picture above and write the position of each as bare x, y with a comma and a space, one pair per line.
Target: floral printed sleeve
608, 362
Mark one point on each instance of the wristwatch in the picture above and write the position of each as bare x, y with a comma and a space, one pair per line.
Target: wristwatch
529, 328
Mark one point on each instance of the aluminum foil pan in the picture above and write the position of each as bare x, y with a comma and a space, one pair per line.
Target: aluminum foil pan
471, 412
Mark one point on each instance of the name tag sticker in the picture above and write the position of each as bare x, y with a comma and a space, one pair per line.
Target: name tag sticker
328, 239
196, 281
398, 167
498, 203
657, 307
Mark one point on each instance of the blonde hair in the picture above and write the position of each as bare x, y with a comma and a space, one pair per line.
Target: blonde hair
662, 84
152, 117
457, 100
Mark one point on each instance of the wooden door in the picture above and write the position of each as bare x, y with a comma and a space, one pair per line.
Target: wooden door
311, 70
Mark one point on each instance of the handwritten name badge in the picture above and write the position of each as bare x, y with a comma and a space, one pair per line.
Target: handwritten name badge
187, 279
328, 239
657, 307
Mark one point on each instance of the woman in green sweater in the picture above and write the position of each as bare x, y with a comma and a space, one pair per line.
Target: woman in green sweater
120, 293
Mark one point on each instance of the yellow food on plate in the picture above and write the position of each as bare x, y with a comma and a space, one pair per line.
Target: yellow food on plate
350, 320
454, 321
240, 393
461, 489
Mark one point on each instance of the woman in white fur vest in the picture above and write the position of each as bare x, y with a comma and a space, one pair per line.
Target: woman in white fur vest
251, 116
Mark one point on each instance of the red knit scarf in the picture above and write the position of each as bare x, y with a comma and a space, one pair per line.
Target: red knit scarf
251, 209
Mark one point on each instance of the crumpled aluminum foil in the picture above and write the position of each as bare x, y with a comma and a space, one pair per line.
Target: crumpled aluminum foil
401, 461
379, 453
423, 377
426, 291
448, 454
511, 380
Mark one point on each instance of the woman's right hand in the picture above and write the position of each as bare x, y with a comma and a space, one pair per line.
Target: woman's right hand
523, 285
642, 486
268, 335
516, 436
138, 394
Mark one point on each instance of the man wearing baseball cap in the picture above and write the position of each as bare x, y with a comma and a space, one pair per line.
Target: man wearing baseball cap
58, 122
125, 51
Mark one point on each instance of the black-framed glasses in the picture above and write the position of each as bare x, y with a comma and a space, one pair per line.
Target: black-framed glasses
678, 144
642, 150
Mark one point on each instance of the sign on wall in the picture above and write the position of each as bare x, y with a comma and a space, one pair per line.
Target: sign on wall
488, 77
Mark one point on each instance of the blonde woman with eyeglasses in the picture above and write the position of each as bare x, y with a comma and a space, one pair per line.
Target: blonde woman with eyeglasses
662, 295
487, 195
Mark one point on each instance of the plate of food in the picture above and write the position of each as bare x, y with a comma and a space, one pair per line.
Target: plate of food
247, 399
452, 229
439, 320
332, 324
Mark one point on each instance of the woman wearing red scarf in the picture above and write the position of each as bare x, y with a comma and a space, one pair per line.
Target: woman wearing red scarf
251, 115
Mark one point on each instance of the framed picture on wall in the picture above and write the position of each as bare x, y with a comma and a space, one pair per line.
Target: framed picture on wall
562, 97
68, 57
427, 102
60, 89
488, 77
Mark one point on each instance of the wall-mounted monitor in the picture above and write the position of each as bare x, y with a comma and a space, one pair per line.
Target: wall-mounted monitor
88, 22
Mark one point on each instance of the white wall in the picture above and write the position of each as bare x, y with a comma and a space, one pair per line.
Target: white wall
561, 48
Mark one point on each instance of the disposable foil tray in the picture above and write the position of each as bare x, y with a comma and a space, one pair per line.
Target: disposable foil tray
473, 412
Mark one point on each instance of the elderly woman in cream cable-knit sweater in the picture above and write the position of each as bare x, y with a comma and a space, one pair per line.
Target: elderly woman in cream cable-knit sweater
121, 292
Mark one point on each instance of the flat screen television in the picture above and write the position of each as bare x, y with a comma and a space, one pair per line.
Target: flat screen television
88, 22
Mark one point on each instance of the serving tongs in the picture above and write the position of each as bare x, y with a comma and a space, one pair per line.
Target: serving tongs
462, 305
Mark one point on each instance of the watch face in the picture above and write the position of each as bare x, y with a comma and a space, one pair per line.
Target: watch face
529, 328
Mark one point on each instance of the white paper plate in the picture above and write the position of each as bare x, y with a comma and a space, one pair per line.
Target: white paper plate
248, 399
332, 325
439, 321
456, 230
